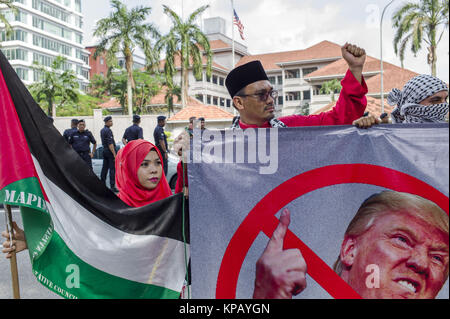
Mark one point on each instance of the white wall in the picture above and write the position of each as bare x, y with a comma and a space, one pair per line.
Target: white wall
120, 123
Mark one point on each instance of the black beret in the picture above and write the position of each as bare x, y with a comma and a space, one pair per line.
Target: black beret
244, 75
108, 118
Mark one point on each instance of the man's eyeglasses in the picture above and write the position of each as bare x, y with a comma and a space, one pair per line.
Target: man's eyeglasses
264, 95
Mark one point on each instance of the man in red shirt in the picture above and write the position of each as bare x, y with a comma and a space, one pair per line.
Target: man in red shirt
254, 97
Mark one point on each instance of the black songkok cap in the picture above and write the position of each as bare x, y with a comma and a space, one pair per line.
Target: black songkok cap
161, 118
108, 118
244, 75
75, 121
136, 118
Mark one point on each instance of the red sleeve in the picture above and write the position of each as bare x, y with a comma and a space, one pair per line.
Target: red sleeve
350, 106
179, 185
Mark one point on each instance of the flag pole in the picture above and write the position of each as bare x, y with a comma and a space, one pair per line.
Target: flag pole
13, 259
232, 41
232, 33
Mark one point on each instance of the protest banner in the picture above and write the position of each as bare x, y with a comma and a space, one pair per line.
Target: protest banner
241, 180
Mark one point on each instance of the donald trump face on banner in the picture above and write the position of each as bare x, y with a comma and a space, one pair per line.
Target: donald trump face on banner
396, 247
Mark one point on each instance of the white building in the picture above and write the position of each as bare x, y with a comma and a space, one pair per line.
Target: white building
43, 30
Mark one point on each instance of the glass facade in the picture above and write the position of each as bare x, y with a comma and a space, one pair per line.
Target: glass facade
16, 54
51, 10
16, 35
52, 45
52, 28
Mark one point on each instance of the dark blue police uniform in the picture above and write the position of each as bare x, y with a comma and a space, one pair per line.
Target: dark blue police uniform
81, 142
108, 157
68, 133
134, 132
158, 135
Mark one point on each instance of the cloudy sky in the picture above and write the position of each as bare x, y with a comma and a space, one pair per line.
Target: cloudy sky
283, 25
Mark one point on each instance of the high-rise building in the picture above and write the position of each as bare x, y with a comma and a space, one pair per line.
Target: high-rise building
43, 30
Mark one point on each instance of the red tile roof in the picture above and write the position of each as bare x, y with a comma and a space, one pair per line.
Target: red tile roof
322, 50
162, 63
373, 106
218, 44
394, 76
209, 112
113, 103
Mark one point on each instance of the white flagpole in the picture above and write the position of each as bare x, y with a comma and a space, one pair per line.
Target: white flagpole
232, 33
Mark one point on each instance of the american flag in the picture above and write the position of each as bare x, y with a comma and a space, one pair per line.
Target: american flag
239, 25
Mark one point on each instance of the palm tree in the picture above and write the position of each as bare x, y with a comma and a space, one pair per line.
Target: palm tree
172, 91
331, 87
3, 19
124, 31
56, 86
186, 41
420, 22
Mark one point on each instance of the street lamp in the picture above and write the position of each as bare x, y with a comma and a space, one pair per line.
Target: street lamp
381, 48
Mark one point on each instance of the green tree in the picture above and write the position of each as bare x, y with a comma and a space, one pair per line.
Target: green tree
57, 85
172, 90
147, 86
99, 86
125, 30
3, 19
186, 41
418, 22
331, 87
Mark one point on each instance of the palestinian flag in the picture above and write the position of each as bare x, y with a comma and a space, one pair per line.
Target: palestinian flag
84, 242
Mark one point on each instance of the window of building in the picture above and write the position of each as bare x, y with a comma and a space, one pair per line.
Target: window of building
208, 99
280, 100
52, 45
16, 54
78, 6
228, 103
222, 102
79, 38
293, 96
214, 79
292, 74
221, 81
16, 35
199, 97
280, 80
51, 10
22, 73
19, 16
102, 61
272, 80
307, 71
307, 95
52, 28
215, 100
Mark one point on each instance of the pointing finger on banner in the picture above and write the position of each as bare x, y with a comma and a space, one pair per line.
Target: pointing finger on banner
280, 273
277, 240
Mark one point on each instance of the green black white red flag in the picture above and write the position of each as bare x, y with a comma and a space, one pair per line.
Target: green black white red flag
84, 242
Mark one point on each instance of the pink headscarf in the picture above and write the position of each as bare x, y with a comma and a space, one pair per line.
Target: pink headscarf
128, 161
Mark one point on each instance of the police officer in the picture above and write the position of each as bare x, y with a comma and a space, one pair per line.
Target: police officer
81, 141
161, 141
109, 154
202, 123
73, 128
134, 132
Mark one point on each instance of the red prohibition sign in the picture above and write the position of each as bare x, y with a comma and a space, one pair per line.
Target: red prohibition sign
262, 218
